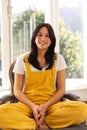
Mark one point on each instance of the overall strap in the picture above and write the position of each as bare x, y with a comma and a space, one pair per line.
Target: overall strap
25, 58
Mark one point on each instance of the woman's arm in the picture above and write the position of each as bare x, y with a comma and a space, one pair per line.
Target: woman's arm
18, 90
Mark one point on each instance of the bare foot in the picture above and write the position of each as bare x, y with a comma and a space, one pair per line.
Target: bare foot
43, 126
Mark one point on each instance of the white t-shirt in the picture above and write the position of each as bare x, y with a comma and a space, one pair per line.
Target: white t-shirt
20, 65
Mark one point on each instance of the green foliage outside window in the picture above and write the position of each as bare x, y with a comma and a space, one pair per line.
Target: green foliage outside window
70, 43
23, 25
71, 48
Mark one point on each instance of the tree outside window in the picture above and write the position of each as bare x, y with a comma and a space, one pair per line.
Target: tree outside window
70, 35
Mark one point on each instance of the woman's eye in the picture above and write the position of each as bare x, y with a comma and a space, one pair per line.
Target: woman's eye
47, 35
39, 35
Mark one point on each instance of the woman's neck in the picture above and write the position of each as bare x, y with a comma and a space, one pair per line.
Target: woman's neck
41, 59
41, 53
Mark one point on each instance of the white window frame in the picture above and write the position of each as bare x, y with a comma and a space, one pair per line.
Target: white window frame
76, 84
52, 18
6, 41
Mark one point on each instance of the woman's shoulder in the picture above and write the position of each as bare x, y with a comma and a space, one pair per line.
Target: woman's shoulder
59, 56
20, 65
61, 63
22, 56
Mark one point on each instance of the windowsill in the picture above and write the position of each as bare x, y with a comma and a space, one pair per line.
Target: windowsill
77, 88
76, 84
71, 85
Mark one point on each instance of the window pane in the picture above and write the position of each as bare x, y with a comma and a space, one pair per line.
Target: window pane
71, 36
26, 15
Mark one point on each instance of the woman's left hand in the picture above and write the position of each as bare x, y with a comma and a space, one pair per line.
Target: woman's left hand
42, 112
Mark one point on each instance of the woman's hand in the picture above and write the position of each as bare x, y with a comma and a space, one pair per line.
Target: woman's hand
42, 112
36, 113
39, 113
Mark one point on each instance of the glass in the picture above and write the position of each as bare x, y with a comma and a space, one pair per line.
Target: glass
71, 33
25, 17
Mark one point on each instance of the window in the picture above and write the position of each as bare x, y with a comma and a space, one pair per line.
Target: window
26, 15
18, 20
72, 27
24, 20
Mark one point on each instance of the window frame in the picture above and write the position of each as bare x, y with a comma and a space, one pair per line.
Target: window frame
80, 83
52, 18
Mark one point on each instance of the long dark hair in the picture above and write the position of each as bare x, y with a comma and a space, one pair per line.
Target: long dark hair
49, 55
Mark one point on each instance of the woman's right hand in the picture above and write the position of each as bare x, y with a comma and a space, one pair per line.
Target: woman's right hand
36, 113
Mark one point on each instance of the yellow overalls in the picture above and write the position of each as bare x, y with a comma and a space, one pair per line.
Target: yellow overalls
39, 87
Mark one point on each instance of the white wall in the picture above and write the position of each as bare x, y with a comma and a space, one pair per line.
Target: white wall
80, 92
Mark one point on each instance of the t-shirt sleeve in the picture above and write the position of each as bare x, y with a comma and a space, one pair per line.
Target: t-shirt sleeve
19, 65
61, 63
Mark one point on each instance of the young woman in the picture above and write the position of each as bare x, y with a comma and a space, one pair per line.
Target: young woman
39, 86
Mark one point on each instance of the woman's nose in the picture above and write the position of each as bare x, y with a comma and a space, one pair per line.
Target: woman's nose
43, 38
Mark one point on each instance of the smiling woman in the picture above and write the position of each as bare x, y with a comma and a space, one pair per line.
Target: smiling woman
40, 104
44, 76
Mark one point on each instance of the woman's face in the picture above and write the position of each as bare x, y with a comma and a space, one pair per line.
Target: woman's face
42, 39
